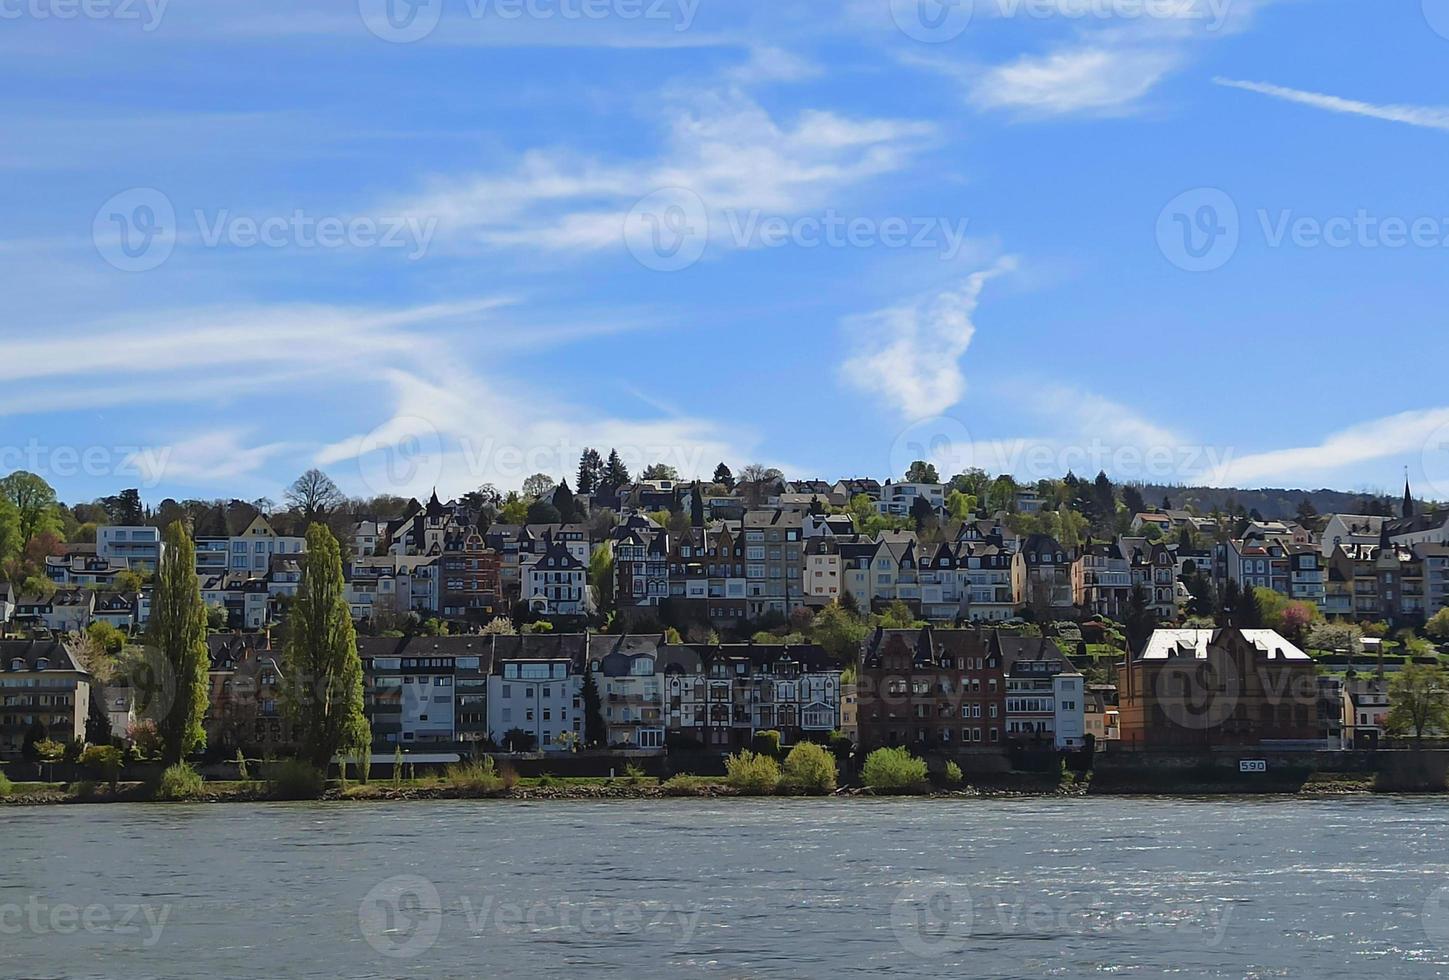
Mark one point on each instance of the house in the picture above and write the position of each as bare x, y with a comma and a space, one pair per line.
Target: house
1045, 695
774, 562
471, 586
631, 695
641, 567
898, 499
1347, 530
1102, 718
251, 551
1051, 577
720, 696
245, 599
1365, 711
137, 548
45, 689
535, 688
1194, 689
119, 609
427, 693
78, 566
931, 690
63, 611
556, 584
244, 711
1105, 580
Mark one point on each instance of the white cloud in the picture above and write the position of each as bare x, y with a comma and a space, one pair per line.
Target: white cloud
1428, 117
1404, 436
1084, 79
721, 145
910, 355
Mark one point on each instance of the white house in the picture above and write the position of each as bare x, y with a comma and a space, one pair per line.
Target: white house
542, 698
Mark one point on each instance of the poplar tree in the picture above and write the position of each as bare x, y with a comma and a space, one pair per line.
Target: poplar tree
323, 693
177, 637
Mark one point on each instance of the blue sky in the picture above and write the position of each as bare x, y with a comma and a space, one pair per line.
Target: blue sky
1184, 240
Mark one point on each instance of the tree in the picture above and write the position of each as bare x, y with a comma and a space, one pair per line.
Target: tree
660, 471
1132, 500
36, 508
696, 506
922, 513
601, 577
922, 472
1438, 626
10, 541
563, 502
838, 631
125, 508
591, 471
1232, 595
616, 474
595, 734
537, 485
1249, 614
543, 512
1141, 621
323, 673
723, 476
500, 626
961, 506
314, 496
514, 510
1418, 701
177, 637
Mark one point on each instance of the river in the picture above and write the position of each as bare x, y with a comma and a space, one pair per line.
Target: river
1028, 888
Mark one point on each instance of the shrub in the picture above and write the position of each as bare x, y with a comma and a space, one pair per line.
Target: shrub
84, 790
480, 778
753, 774
685, 785
954, 775
893, 771
105, 760
180, 782
633, 774
549, 780
6, 786
810, 769
363, 792
767, 743
241, 766
295, 780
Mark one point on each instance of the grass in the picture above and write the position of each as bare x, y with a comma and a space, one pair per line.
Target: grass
180, 782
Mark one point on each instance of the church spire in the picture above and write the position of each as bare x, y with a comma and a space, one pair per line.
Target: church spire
1408, 495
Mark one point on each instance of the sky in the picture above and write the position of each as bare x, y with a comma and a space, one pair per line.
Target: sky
424, 243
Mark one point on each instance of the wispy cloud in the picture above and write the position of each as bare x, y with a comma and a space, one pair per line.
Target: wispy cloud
1405, 435
1428, 117
1071, 81
910, 355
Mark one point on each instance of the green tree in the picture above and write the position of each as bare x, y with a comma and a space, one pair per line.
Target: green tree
176, 635
323, 673
514, 510
1418, 701
601, 576
591, 471
537, 485
1141, 621
36, 509
724, 477
922, 472
1438, 626
125, 508
543, 512
660, 471
961, 506
563, 502
616, 474
595, 734
1249, 614
838, 632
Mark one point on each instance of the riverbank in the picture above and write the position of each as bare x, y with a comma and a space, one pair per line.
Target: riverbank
1006, 786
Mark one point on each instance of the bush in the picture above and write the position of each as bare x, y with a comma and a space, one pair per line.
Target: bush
104, 760
767, 743
684, 785
753, 774
954, 775
480, 778
893, 771
180, 782
634, 775
810, 769
6, 786
295, 780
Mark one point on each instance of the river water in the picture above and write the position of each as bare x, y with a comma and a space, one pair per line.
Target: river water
1121, 887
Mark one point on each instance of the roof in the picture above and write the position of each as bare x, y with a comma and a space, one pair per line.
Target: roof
1166, 644
30, 652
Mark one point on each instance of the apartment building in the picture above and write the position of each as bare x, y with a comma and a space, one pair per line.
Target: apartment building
536, 688
774, 562
136, 548
43, 689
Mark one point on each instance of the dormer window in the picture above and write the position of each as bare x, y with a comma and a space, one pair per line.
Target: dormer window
17, 664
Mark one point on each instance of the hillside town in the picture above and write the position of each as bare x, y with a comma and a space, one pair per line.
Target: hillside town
970, 619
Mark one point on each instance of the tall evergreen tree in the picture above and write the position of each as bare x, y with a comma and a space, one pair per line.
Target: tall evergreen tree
591, 471
616, 474
595, 734
323, 673
723, 476
1141, 621
1232, 596
176, 636
1249, 614
563, 501
696, 506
